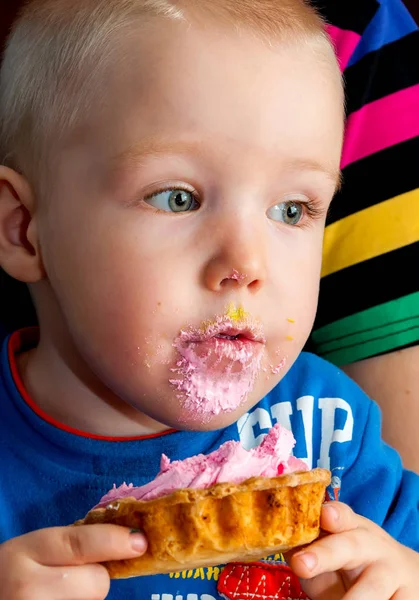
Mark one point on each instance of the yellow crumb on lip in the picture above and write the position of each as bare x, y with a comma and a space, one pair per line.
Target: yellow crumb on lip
236, 313
291, 320
289, 338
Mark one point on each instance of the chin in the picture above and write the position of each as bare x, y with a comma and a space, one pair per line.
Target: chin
183, 419
209, 424
188, 421
202, 422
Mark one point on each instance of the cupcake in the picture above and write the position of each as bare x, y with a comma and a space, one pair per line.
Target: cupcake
230, 505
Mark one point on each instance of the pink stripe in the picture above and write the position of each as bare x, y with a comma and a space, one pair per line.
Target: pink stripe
344, 42
381, 124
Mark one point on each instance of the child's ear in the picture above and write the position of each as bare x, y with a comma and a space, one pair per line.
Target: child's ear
20, 255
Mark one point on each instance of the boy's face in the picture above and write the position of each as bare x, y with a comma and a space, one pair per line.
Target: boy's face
198, 194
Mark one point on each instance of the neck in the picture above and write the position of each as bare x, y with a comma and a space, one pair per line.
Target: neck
58, 381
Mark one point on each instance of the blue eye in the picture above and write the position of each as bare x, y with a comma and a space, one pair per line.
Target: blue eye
287, 212
176, 200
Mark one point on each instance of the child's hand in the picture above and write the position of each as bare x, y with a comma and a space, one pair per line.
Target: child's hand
61, 563
360, 561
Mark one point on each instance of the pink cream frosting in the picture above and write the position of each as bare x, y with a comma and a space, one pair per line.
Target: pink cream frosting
213, 375
230, 463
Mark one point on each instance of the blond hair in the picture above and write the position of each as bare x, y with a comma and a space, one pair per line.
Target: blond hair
59, 50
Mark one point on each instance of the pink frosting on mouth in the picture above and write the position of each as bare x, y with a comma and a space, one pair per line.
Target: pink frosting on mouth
230, 463
215, 374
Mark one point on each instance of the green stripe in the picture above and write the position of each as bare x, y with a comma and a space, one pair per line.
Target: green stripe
344, 356
368, 333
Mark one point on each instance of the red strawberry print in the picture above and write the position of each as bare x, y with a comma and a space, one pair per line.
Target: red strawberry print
259, 581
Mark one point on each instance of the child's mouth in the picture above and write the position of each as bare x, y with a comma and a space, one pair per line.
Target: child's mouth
236, 336
218, 364
222, 348
224, 330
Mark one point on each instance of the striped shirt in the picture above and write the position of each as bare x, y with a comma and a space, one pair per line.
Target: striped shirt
369, 293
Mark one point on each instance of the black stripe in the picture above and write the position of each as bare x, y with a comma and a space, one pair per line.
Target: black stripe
376, 178
354, 15
385, 71
370, 283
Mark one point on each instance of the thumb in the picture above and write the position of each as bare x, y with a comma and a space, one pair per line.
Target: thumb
85, 544
337, 517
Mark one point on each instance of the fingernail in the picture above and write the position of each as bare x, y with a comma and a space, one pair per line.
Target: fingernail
138, 541
308, 558
332, 511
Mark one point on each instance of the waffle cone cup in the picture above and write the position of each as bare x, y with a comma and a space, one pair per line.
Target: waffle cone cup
193, 528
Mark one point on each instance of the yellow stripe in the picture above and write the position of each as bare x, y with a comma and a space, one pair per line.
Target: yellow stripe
371, 232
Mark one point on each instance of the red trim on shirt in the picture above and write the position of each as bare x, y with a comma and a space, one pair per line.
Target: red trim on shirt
28, 338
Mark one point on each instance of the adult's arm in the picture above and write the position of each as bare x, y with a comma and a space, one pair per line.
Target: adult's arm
393, 378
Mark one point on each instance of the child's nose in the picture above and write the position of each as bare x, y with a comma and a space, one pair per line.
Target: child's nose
239, 263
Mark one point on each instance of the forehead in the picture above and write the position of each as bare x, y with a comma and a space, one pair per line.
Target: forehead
223, 88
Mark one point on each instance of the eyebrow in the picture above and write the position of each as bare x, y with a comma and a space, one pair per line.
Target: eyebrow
155, 147
332, 173
160, 146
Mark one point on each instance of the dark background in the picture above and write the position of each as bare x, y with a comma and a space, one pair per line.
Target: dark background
8, 9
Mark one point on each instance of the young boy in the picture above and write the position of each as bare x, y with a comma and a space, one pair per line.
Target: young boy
168, 168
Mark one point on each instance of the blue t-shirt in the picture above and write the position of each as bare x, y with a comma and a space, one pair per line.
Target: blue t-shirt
50, 476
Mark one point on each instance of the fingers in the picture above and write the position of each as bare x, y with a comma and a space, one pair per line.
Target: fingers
377, 581
87, 544
62, 583
327, 585
337, 517
355, 561
79, 583
60, 562
347, 550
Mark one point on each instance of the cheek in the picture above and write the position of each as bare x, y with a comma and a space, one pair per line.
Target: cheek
123, 291
297, 287
305, 290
